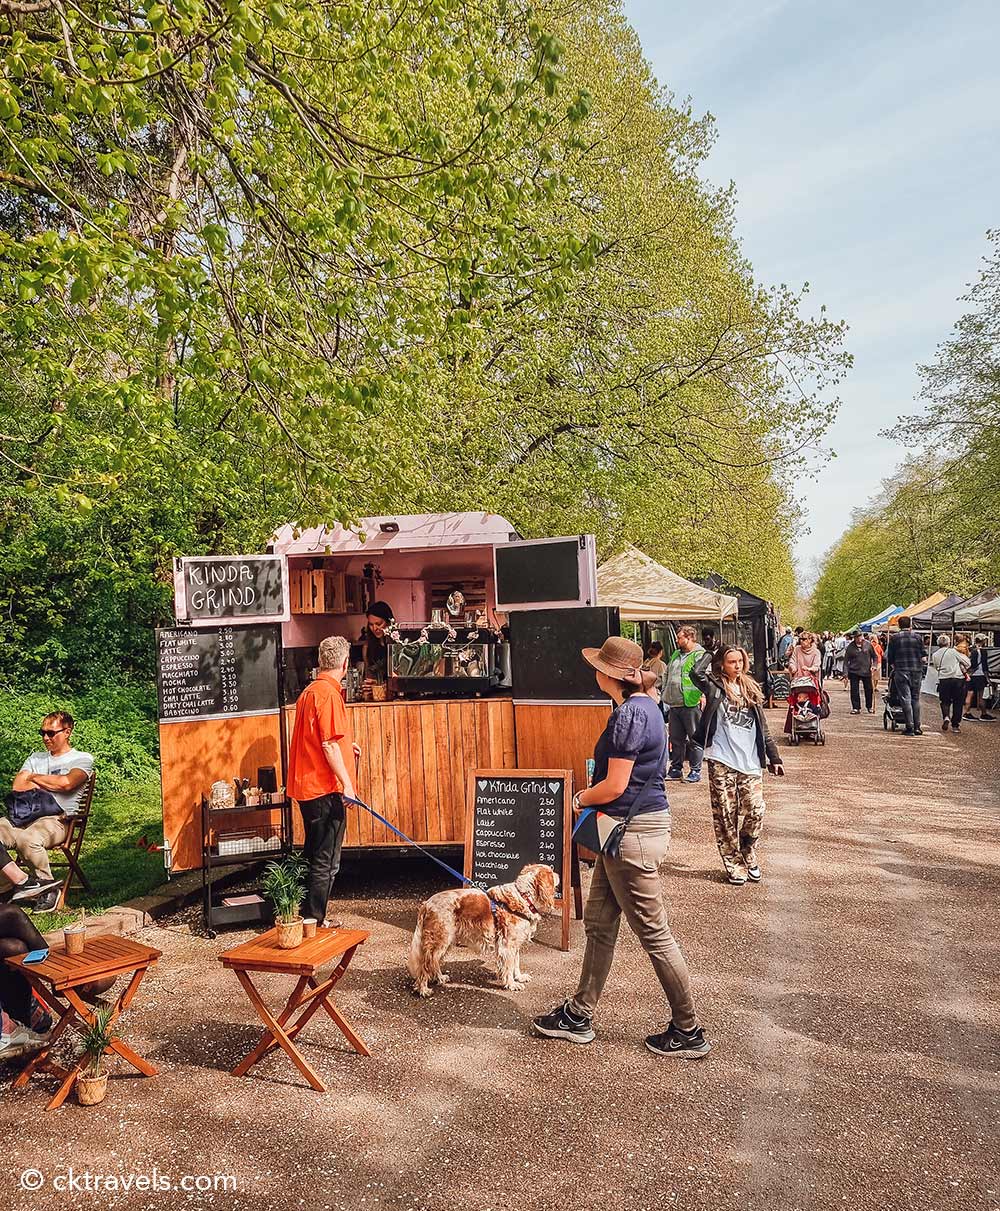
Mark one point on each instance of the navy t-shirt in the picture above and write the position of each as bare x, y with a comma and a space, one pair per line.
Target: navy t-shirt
635, 732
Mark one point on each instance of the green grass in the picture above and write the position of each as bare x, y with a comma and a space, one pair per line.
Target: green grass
116, 866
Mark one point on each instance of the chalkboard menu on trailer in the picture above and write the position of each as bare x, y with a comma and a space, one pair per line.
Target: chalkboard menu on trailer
216, 588
516, 817
213, 671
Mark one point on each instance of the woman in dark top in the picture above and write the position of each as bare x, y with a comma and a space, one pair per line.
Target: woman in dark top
629, 766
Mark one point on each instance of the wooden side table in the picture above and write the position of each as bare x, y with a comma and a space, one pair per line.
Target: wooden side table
309, 995
56, 982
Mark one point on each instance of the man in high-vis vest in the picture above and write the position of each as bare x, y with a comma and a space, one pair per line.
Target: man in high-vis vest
685, 702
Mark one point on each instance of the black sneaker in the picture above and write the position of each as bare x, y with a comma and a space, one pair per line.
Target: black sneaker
46, 902
918, 731
33, 888
682, 1044
563, 1023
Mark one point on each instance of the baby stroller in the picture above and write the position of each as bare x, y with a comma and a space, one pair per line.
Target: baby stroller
808, 706
892, 711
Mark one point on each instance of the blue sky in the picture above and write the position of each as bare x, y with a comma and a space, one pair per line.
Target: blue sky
863, 141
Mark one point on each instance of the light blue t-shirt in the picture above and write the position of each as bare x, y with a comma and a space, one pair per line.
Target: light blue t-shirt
735, 739
45, 763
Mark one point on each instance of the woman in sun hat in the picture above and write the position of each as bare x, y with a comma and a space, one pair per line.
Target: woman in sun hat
629, 767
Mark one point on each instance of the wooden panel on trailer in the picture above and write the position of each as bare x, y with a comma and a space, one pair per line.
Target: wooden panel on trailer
194, 755
559, 735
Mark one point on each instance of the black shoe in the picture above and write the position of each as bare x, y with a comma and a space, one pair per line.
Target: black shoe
955, 728
563, 1023
918, 731
987, 718
682, 1044
908, 731
46, 902
33, 888
966, 717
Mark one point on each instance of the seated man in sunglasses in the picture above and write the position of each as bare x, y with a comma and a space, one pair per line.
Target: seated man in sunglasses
62, 771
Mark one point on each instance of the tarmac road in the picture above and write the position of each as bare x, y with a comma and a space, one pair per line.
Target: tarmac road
850, 998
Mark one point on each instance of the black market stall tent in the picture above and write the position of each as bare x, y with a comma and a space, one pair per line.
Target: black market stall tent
755, 628
937, 617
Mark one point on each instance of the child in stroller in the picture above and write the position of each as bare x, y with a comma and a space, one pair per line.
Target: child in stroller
807, 707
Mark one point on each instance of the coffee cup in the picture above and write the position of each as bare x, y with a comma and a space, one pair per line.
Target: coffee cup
309, 927
75, 936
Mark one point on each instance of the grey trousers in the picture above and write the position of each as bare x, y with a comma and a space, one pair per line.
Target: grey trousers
682, 723
630, 885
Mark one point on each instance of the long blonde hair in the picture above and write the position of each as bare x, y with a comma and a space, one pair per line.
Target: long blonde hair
746, 687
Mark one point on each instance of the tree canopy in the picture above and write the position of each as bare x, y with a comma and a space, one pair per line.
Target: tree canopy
936, 525
262, 263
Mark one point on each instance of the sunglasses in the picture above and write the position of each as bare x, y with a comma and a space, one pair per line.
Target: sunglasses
50, 733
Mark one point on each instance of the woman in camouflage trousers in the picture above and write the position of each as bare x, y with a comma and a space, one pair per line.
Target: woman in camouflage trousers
738, 746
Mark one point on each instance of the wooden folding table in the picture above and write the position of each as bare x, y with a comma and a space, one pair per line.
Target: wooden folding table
57, 980
263, 954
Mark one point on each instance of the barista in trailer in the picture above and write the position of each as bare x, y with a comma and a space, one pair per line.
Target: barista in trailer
374, 646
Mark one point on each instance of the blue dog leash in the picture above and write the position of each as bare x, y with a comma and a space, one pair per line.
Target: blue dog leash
444, 865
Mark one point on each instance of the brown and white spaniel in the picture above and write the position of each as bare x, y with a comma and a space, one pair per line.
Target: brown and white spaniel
466, 917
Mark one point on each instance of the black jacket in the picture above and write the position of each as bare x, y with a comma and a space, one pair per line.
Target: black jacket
767, 750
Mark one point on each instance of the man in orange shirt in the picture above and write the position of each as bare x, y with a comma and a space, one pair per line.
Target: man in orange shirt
320, 772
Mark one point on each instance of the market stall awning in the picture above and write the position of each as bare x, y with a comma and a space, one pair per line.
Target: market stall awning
879, 620
408, 532
644, 591
918, 607
938, 616
984, 609
748, 604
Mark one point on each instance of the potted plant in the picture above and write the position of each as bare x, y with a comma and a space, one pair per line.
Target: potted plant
95, 1038
284, 885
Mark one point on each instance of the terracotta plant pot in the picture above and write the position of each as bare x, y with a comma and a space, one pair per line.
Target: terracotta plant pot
91, 1089
289, 934
75, 937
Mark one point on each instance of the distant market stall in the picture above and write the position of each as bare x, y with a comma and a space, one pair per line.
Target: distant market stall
646, 592
880, 619
981, 611
755, 628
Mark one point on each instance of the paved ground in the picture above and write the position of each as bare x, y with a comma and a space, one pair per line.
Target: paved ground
851, 998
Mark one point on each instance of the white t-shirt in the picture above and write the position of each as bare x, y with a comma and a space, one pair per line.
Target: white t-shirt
735, 739
45, 763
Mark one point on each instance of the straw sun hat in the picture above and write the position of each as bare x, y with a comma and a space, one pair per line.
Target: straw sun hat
621, 659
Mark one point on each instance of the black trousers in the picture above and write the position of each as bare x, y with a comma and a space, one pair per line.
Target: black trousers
324, 827
17, 937
951, 691
858, 680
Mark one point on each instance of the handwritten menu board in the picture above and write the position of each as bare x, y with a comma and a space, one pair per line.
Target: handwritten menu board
516, 817
205, 673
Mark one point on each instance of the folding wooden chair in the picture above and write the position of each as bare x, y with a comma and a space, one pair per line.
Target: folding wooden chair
76, 827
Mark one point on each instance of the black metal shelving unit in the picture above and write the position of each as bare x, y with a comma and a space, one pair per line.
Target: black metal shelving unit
218, 914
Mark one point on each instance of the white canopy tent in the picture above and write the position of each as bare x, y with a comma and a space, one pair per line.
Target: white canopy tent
644, 590
979, 612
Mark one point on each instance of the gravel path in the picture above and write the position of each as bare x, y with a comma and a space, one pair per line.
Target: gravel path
851, 1000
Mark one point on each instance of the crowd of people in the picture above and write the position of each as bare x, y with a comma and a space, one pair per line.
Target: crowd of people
862, 661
